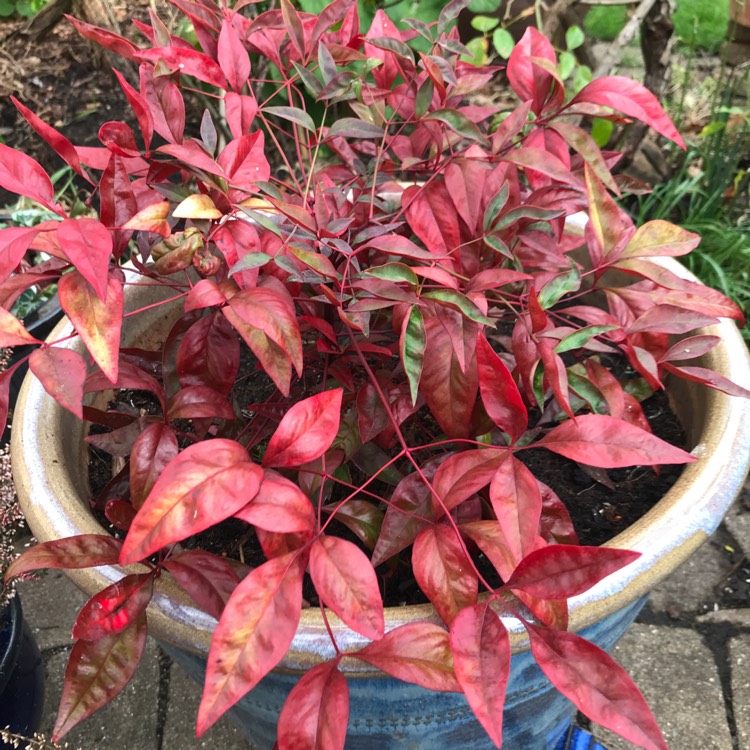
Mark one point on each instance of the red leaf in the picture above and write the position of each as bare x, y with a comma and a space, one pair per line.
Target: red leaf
198, 401
306, 431
12, 331
255, 631
244, 161
444, 571
293, 24
152, 218
114, 608
462, 475
14, 242
527, 77
409, 511
206, 483
128, 376
209, 354
316, 712
20, 174
280, 506
710, 378
232, 56
609, 443
346, 583
84, 551
418, 652
141, 109
208, 579
481, 658
241, 111
206, 293
670, 319
152, 451
62, 372
395, 244
187, 61
517, 502
690, 348
61, 145
107, 39
500, 395
266, 321
488, 536
560, 571
596, 684
97, 671
631, 98
433, 217
98, 321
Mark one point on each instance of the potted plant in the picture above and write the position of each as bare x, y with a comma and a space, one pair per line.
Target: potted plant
21, 669
356, 304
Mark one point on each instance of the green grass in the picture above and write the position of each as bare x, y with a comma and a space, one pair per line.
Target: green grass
700, 24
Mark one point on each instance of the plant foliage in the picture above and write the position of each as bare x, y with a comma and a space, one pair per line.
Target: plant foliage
399, 263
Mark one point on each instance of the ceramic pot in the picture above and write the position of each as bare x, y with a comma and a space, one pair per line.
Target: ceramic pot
50, 470
21, 673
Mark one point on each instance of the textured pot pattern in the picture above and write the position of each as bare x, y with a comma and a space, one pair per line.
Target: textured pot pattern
49, 463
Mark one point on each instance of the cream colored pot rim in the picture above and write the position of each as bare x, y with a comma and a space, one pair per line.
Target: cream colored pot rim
665, 537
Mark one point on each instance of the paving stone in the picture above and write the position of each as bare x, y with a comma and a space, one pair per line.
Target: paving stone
50, 606
740, 618
694, 587
739, 664
128, 723
179, 729
737, 522
677, 674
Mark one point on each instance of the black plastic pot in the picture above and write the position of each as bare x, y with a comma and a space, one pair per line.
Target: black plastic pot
21, 673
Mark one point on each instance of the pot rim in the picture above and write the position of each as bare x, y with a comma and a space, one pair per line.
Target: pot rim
681, 521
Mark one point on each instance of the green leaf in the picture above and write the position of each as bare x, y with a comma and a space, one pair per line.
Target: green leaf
496, 206
498, 246
459, 123
580, 338
293, 114
484, 23
503, 42
584, 389
248, 262
478, 49
574, 37
457, 300
392, 45
265, 221
557, 286
484, 6
449, 14
412, 345
351, 127
582, 77
567, 63
394, 272
312, 84
526, 212
424, 97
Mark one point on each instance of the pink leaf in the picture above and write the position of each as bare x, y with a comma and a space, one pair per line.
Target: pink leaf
12, 331
481, 658
97, 320
152, 451
560, 571
97, 671
232, 56
206, 483
444, 571
114, 608
306, 431
670, 319
500, 395
241, 111
418, 652
14, 242
526, 75
631, 98
346, 583
710, 378
609, 443
83, 551
208, 579
596, 684
316, 712
20, 174
517, 502
255, 631
62, 372
280, 506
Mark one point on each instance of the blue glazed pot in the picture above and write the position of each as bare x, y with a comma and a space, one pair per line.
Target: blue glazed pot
21, 673
387, 714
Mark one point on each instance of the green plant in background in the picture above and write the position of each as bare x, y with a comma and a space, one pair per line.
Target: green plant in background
709, 193
699, 24
25, 8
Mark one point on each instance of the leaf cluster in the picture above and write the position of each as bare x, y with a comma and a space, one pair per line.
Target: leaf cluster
421, 311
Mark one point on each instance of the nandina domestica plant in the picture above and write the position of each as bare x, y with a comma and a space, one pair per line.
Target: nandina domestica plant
392, 268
